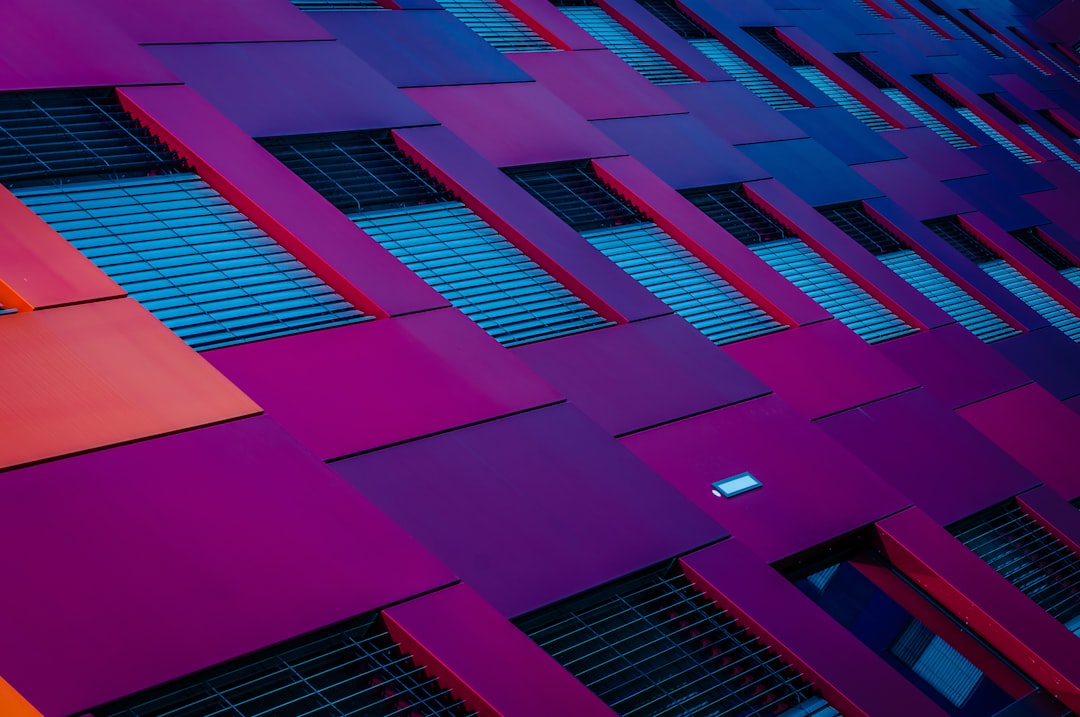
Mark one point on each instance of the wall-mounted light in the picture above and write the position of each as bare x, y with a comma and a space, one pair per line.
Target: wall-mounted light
736, 484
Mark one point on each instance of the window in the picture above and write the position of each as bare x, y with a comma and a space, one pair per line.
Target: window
627, 46
768, 37
129, 204
497, 25
1065, 129
493, 282
1029, 557
1034, 240
354, 670
730, 207
1028, 41
672, 273
952, 231
947, 20
653, 645
317, 5
854, 221
742, 71
1036, 134
1023, 55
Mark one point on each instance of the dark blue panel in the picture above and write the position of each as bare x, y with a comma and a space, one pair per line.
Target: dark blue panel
811, 171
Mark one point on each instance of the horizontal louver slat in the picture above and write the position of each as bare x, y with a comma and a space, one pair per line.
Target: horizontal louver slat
745, 74
844, 98
310, 5
998, 137
480, 272
575, 194
1042, 139
193, 260
931, 122
625, 44
497, 25
1027, 291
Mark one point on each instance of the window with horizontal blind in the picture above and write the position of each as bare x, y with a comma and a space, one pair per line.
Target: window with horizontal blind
1028, 556
497, 25
622, 233
853, 219
623, 43
356, 669
952, 231
730, 207
367, 176
653, 645
128, 203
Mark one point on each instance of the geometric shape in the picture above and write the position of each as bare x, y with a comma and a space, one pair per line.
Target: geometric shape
844, 98
494, 23
746, 74
576, 194
928, 120
937, 662
997, 136
1023, 288
736, 484
772, 41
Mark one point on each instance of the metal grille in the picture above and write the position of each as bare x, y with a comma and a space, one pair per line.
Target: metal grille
1028, 556
315, 5
1033, 240
768, 37
357, 171
1062, 127
730, 207
56, 137
944, 95
493, 282
1046, 142
929, 121
959, 238
1027, 291
683, 282
673, 16
870, 9
746, 74
957, 29
359, 671
998, 137
853, 220
855, 61
497, 25
914, 16
655, 646
627, 46
844, 98
191, 258
951, 674
574, 192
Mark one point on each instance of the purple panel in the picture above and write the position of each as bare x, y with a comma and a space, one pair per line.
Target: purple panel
359, 387
515, 123
933, 154
822, 368
1061, 207
1049, 357
1012, 174
681, 150
812, 489
275, 88
163, 21
849, 674
596, 84
811, 171
730, 110
913, 188
211, 543
531, 508
455, 635
1034, 428
637, 375
926, 451
1073, 403
997, 201
281, 203
953, 365
844, 136
1061, 22
67, 43
986, 601
1019, 88
417, 49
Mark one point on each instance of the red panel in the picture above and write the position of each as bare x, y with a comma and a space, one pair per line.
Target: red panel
359, 387
812, 489
163, 21
41, 268
90, 375
854, 679
12, 703
984, 600
485, 660
1034, 428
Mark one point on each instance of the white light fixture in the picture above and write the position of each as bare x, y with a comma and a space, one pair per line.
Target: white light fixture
736, 484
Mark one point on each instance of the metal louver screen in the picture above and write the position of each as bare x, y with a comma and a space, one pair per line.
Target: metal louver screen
1029, 557
844, 98
870, 8
1006, 143
929, 121
746, 74
497, 25
683, 282
853, 220
1046, 142
191, 258
627, 46
310, 5
951, 674
575, 193
1033, 240
768, 37
730, 207
944, 95
856, 62
359, 670
655, 646
959, 238
914, 17
673, 16
959, 30
481, 273
55, 137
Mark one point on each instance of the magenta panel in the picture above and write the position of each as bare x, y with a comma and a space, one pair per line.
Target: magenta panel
822, 368
359, 387
642, 374
851, 676
162, 21
275, 88
210, 543
812, 489
596, 84
914, 188
984, 600
515, 123
282, 204
1035, 429
730, 110
531, 508
932, 154
454, 634
953, 365
67, 43
926, 451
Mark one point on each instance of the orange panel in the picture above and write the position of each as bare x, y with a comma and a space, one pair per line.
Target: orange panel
12, 703
91, 375
38, 267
